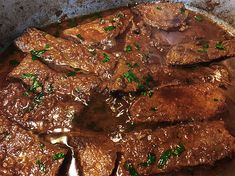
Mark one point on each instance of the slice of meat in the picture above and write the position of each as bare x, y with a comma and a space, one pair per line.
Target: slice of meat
179, 103
215, 74
41, 78
62, 54
103, 30
14, 102
96, 154
22, 153
163, 150
193, 53
164, 16
47, 115
132, 71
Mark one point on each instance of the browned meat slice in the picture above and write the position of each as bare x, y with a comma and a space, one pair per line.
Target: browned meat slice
215, 74
40, 78
163, 15
96, 154
22, 153
47, 114
193, 53
63, 54
179, 103
131, 72
103, 30
14, 102
173, 148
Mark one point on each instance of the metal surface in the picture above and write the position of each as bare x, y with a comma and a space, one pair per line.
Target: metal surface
16, 15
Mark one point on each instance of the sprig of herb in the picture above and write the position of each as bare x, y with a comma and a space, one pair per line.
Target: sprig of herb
220, 46
106, 58
58, 156
198, 18
129, 167
36, 84
128, 49
151, 159
166, 155
131, 77
14, 62
135, 65
137, 46
109, 28
158, 8
204, 49
37, 54
41, 166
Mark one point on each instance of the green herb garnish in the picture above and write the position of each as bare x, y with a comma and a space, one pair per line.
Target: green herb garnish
151, 159
50, 88
35, 85
129, 167
80, 37
158, 8
72, 22
205, 46
148, 93
38, 99
166, 155
198, 18
219, 46
131, 77
41, 166
37, 54
106, 58
135, 65
58, 156
109, 28
137, 46
182, 10
14, 62
128, 49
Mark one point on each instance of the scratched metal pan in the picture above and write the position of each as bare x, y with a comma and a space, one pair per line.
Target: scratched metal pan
17, 15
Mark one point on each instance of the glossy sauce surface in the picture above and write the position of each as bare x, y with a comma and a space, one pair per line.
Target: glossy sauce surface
109, 114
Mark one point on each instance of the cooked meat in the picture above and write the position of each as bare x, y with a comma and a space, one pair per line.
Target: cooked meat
63, 54
131, 71
47, 114
103, 30
22, 153
179, 103
96, 154
193, 53
14, 101
173, 148
41, 78
163, 15
215, 74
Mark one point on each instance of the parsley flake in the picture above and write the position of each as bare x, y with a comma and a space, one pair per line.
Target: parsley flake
106, 58
219, 46
109, 28
128, 49
58, 156
198, 18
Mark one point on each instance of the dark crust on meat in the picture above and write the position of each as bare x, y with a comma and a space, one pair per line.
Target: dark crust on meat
163, 15
93, 33
193, 53
96, 154
79, 86
204, 144
22, 152
63, 54
180, 103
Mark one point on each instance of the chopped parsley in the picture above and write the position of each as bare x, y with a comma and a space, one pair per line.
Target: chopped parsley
37, 54
58, 156
128, 49
41, 166
109, 28
38, 99
137, 46
14, 62
198, 18
106, 58
205, 46
80, 37
219, 46
72, 22
158, 8
182, 10
36, 84
129, 167
135, 65
131, 77
73, 73
151, 159
50, 88
166, 155
148, 93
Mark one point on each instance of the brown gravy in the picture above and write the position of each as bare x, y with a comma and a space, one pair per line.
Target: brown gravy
108, 114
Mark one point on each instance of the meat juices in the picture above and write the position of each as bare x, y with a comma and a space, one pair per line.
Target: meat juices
134, 91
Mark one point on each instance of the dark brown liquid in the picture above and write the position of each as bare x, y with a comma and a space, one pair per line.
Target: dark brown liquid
108, 114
